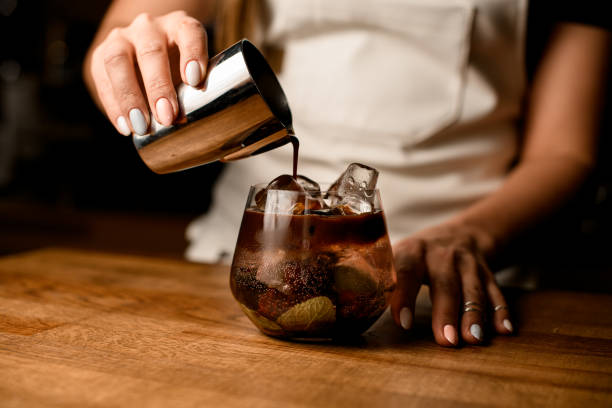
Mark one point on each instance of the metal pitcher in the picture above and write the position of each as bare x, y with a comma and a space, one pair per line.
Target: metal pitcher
239, 111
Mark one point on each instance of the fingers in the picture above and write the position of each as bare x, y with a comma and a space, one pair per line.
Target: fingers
133, 70
462, 288
501, 314
445, 295
118, 60
474, 299
151, 50
190, 37
410, 268
104, 90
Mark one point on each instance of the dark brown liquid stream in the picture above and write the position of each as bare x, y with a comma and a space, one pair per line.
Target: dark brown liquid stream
296, 147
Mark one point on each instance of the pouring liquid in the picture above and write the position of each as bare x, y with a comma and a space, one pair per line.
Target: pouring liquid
296, 147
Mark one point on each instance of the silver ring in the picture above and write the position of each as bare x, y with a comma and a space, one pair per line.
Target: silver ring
500, 307
470, 303
471, 309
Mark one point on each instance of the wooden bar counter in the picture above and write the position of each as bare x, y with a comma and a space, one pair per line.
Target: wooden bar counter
92, 329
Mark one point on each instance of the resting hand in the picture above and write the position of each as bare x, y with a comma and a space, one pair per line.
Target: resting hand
448, 259
134, 67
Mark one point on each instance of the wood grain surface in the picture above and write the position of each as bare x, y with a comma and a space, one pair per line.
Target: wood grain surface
90, 329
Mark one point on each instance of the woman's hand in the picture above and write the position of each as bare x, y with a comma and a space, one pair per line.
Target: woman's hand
450, 260
134, 68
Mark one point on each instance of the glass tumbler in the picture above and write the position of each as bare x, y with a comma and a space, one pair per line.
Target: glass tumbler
306, 268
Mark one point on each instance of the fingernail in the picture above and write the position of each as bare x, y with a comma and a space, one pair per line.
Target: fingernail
476, 331
193, 74
164, 111
508, 325
122, 126
139, 123
405, 318
451, 334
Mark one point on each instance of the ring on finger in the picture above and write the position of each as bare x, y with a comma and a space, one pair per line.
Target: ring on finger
471, 306
500, 307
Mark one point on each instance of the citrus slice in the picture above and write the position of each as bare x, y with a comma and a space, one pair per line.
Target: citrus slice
261, 321
311, 314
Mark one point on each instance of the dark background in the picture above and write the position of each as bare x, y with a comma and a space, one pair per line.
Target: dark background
67, 178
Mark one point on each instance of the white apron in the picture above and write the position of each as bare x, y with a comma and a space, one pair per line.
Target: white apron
429, 92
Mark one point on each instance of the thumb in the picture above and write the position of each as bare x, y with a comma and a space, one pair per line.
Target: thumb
409, 256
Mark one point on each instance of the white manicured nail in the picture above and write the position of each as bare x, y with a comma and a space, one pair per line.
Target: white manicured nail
139, 123
193, 73
451, 334
476, 331
122, 126
508, 325
405, 318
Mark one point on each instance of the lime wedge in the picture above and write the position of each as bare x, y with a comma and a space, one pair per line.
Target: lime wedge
261, 321
311, 314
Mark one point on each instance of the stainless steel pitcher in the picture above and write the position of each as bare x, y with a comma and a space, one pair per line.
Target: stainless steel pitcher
239, 111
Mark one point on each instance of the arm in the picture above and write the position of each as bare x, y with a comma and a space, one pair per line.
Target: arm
560, 140
559, 150
141, 49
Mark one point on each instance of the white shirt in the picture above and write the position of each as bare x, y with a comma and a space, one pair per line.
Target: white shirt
429, 92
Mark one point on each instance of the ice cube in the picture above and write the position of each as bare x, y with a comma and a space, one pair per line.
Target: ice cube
314, 200
283, 195
356, 179
285, 202
311, 186
351, 205
353, 190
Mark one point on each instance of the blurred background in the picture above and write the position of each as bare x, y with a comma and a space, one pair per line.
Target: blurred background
68, 179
